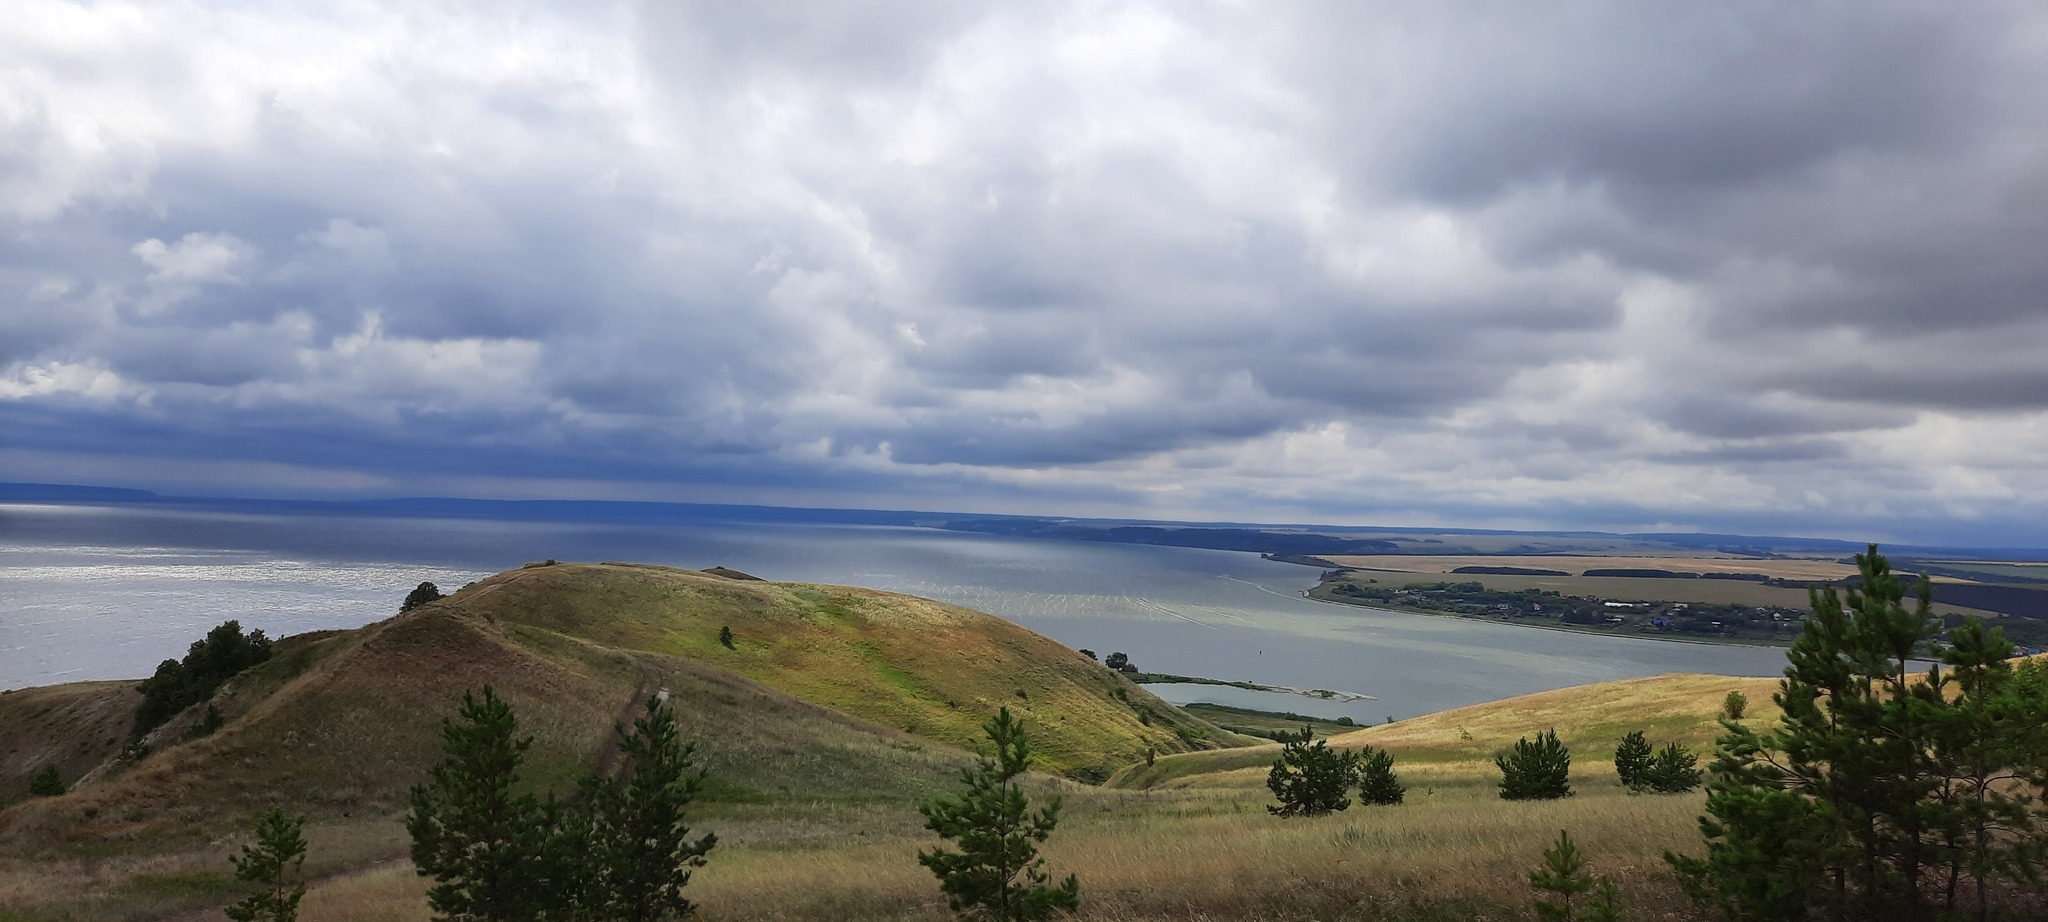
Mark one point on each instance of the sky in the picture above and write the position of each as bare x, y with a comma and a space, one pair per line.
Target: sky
1743, 266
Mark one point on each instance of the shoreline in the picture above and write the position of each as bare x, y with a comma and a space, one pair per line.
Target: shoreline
1561, 628
1320, 694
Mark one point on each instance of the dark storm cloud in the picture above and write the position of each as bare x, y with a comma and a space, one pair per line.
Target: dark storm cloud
1595, 264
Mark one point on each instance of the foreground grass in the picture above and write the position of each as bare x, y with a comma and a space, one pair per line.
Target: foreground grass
1193, 843
1189, 838
1454, 851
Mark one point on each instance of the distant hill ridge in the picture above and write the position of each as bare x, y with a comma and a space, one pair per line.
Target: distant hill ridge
1284, 539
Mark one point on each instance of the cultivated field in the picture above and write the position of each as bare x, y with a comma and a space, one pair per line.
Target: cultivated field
1628, 588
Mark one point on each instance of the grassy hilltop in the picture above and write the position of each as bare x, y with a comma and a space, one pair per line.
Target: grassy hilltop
923, 667
832, 704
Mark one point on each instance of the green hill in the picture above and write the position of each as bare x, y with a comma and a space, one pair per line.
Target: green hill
829, 694
924, 667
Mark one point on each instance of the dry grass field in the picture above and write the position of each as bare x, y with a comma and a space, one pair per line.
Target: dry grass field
1194, 841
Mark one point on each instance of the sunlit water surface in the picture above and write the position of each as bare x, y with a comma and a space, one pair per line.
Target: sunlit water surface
92, 592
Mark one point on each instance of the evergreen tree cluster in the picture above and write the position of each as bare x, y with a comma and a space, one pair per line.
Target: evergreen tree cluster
618, 850
208, 664
1538, 769
420, 595
1646, 770
1881, 793
1312, 779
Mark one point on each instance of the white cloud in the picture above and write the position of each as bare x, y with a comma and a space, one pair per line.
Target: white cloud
1598, 265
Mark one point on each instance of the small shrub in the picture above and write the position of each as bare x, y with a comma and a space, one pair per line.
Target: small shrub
1735, 705
1346, 721
46, 783
207, 724
725, 636
1535, 770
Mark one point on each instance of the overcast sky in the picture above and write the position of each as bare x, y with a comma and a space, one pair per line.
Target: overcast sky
1727, 266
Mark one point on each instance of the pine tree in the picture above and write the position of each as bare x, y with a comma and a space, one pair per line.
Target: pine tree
1632, 758
1866, 800
1377, 783
1991, 745
995, 830
1674, 770
1535, 770
640, 841
274, 861
1311, 779
1564, 876
481, 843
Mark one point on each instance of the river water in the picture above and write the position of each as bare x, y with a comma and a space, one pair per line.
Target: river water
99, 592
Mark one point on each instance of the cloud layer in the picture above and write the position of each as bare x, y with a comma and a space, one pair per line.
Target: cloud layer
1723, 266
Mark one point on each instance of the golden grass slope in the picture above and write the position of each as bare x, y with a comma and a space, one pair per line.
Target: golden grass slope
1200, 845
74, 727
935, 670
1590, 719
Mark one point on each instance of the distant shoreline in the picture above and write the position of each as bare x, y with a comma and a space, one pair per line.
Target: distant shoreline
1565, 628
1162, 678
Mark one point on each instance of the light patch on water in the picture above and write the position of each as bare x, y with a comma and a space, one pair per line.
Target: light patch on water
106, 592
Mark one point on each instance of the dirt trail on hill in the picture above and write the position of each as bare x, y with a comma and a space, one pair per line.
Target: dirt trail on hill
608, 756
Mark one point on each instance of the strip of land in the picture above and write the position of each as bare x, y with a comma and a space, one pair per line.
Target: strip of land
1154, 678
1776, 568
1704, 605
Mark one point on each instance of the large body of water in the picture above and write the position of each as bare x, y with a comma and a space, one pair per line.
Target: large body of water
98, 592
